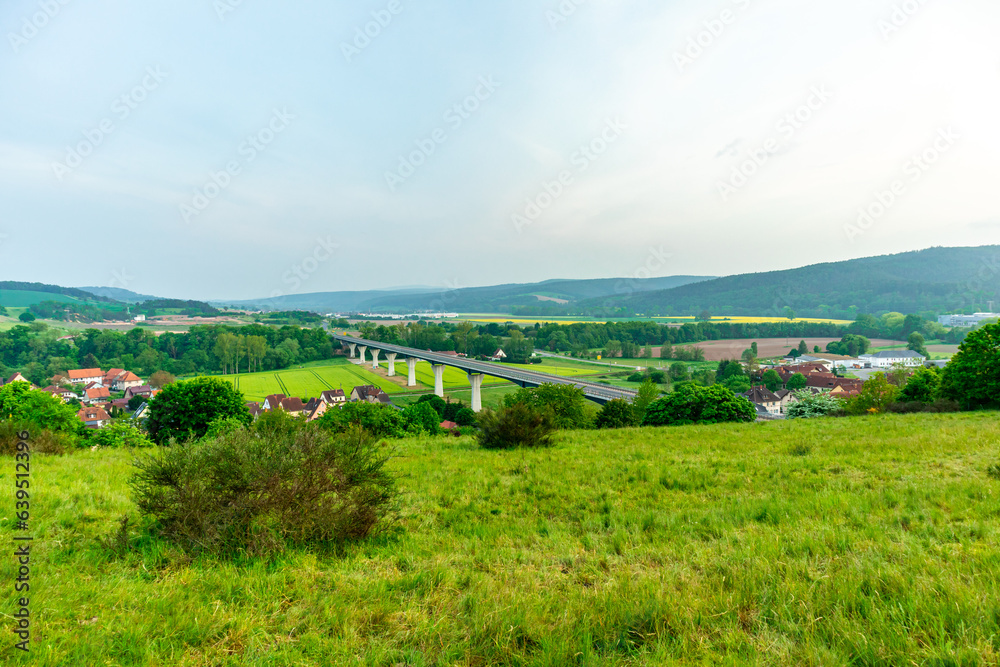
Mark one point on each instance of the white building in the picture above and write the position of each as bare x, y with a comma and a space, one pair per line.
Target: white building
890, 358
966, 320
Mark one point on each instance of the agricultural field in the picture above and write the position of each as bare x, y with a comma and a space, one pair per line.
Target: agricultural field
25, 298
862, 541
718, 350
308, 382
482, 318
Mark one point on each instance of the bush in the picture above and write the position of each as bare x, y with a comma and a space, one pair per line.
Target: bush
636, 377
692, 404
517, 425
40, 441
810, 405
564, 403
972, 377
465, 417
184, 410
435, 402
421, 417
124, 433
617, 413
247, 494
382, 421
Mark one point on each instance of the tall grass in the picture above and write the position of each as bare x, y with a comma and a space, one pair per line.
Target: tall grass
825, 542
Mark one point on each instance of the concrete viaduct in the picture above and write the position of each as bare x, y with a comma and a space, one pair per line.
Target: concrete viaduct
475, 370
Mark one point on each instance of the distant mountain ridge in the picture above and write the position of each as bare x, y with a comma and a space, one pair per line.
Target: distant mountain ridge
119, 294
935, 280
492, 299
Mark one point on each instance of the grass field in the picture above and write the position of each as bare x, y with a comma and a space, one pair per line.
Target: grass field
308, 382
830, 542
23, 299
521, 321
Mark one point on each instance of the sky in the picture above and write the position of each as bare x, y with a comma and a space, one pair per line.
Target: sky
228, 149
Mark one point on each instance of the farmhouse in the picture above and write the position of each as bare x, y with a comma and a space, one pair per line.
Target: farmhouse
16, 377
333, 397
63, 394
95, 394
890, 358
370, 394
763, 397
141, 390
86, 376
93, 417
125, 380
498, 355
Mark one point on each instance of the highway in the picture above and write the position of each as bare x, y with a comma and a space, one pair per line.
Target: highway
599, 393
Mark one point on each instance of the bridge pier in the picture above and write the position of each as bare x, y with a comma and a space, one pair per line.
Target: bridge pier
438, 379
476, 380
411, 367
354, 349
362, 349
375, 354
391, 361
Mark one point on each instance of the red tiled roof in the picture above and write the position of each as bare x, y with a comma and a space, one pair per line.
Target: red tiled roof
86, 373
93, 414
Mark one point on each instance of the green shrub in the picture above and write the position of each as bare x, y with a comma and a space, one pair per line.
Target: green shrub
636, 377
564, 403
421, 417
809, 406
382, 421
243, 493
465, 417
123, 433
517, 425
435, 402
185, 410
617, 413
692, 404
40, 441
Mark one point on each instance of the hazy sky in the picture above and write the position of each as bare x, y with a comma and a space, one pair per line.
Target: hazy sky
242, 148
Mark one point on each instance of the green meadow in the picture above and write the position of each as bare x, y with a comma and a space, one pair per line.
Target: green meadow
868, 541
309, 382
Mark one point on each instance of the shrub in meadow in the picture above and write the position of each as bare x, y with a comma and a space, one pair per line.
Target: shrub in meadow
514, 426
248, 494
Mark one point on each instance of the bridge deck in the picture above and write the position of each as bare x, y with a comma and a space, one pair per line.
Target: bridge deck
595, 391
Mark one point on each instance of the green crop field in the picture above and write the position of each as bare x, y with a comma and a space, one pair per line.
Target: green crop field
22, 299
308, 382
862, 541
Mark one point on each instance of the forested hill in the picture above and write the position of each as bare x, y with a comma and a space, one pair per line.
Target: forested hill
936, 280
15, 286
549, 297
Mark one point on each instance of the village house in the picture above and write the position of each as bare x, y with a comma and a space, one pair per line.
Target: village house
16, 377
86, 376
498, 355
369, 394
93, 417
64, 394
96, 394
272, 402
762, 396
125, 380
333, 397
891, 358
141, 390
254, 409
